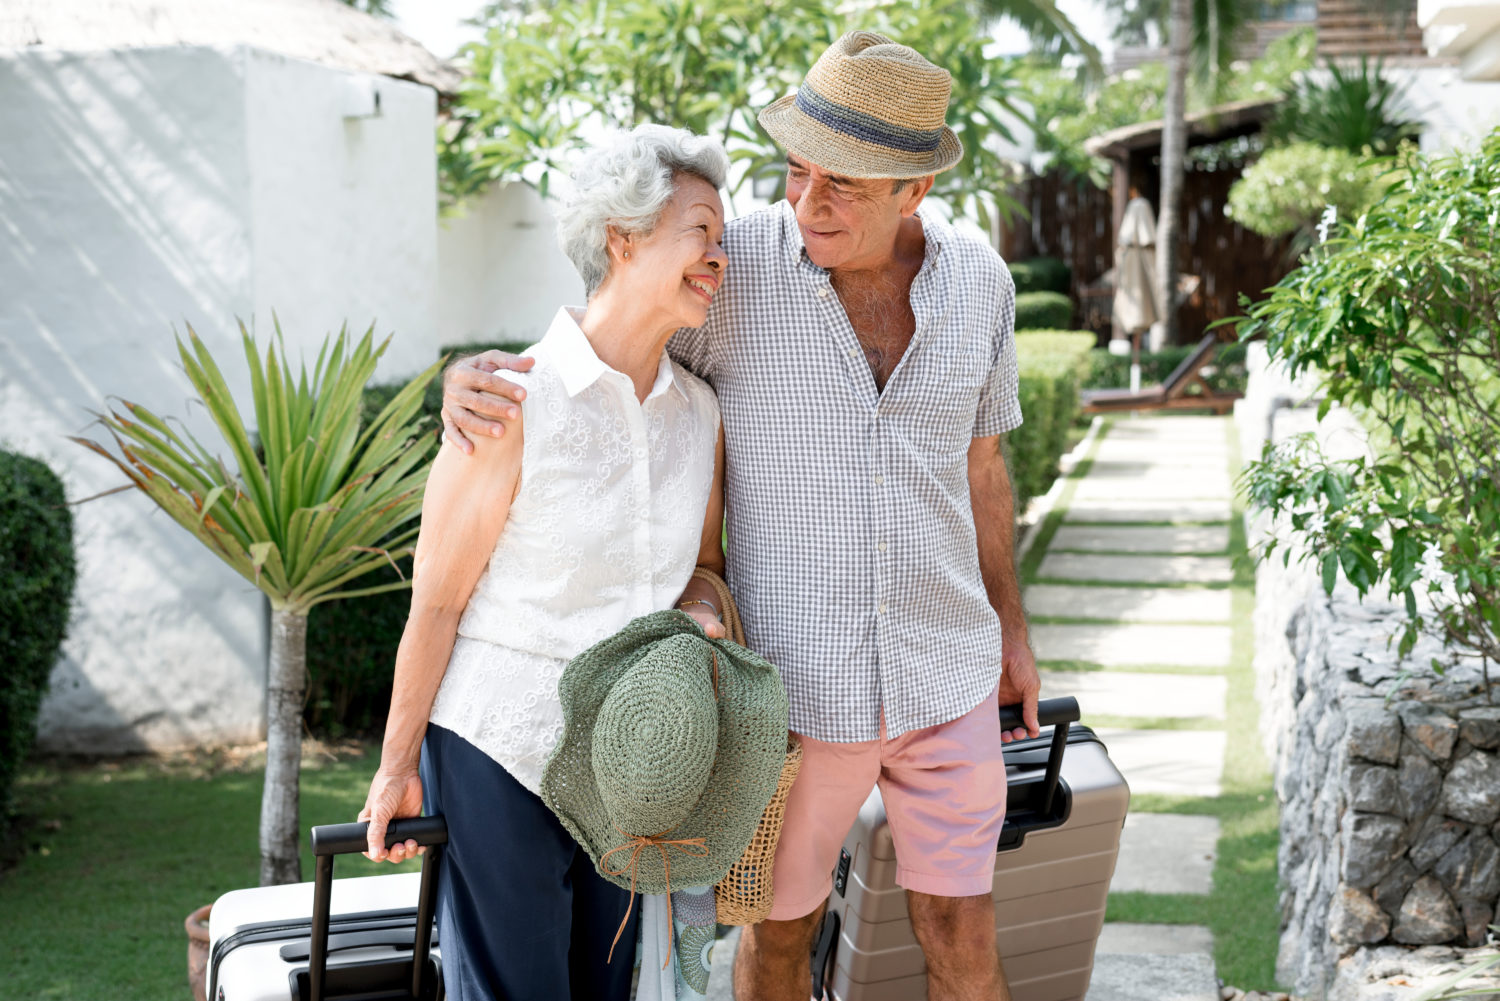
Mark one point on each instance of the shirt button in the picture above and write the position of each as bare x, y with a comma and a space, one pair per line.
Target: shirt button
881, 609
853, 352
880, 546
879, 480
823, 293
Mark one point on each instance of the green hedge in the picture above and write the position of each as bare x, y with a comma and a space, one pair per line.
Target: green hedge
1042, 274
1052, 364
1107, 371
37, 572
1043, 311
351, 644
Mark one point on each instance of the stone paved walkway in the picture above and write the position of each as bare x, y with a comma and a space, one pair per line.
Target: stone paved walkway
1131, 616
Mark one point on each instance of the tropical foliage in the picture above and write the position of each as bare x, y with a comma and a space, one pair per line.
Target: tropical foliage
1359, 109
307, 505
1290, 189
539, 85
1399, 312
1068, 113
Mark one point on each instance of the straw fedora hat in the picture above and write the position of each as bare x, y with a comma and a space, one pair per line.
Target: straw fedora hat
869, 108
672, 747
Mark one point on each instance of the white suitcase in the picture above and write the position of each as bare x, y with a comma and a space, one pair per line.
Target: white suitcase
365, 939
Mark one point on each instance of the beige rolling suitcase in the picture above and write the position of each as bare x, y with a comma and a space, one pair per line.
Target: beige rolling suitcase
1065, 807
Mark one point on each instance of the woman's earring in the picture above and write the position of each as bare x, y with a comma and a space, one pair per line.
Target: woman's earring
627, 255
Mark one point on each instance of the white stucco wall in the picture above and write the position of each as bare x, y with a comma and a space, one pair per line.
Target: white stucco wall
1455, 112
501, 275
342, 210
140, 191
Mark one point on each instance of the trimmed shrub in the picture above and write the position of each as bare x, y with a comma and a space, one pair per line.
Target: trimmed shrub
351, 644
1052, 364
37, 572
1042, 274
1043, 311
1224, 374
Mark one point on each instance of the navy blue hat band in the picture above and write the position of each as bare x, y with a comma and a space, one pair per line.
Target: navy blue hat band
865, 127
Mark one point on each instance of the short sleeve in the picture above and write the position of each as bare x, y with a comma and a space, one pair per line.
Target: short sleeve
999, 400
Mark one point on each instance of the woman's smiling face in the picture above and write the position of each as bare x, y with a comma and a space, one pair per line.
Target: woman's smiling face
678, 268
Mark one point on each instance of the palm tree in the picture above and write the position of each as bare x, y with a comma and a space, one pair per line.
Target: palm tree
315, 505
1201, 37
1173, 152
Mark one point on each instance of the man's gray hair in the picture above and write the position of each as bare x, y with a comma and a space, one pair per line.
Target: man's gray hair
625, 181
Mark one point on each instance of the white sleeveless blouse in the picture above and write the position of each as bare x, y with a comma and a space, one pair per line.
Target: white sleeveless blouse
606, 527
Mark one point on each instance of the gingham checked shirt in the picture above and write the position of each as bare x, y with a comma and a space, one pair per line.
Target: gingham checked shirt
852, 550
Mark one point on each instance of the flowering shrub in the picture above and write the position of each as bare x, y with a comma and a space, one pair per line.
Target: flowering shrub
1287, 188
1398, 315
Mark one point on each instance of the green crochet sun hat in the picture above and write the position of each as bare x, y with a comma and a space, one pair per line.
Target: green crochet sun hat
672, 746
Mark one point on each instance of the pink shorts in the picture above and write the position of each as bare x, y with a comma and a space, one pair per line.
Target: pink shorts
944, 793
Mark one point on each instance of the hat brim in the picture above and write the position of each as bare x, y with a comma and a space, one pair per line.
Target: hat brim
752, 706
803, 136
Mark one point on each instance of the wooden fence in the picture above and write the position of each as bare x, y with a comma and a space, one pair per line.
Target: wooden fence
1073, 220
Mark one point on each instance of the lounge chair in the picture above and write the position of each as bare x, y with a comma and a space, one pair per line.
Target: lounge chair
1171, 393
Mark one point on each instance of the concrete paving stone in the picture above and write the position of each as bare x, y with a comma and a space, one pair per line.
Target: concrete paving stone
1177, 425
1137, 569
1147, 509
1116, 466
1166, 853
1126, 938
1190, 486
1153, 977
1132, 693
1142, 539
1134, 643
1171, 762
1129, 604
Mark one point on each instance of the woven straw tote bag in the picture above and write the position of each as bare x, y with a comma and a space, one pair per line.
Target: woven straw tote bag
743, 896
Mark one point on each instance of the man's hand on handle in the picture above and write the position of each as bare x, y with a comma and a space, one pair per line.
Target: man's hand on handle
1019, 682
393, 795
476, 401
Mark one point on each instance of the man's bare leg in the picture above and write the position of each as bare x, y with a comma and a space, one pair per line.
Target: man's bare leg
957, 935
772, 963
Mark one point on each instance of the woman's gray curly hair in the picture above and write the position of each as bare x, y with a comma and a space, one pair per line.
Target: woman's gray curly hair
625, 181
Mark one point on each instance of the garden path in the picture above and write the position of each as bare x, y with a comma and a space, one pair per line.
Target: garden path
1131, 614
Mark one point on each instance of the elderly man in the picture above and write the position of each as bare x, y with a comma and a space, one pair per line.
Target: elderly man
864, 358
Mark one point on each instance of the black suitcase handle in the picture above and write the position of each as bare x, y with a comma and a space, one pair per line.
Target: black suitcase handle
1059, 714
347, 839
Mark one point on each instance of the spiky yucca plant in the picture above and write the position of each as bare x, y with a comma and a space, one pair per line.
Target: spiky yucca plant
321, 502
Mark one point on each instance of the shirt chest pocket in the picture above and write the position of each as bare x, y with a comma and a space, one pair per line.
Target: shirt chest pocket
940, 398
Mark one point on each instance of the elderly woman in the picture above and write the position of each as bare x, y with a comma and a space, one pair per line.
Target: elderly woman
592, 510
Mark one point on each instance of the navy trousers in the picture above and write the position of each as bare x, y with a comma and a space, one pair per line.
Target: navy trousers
522, 915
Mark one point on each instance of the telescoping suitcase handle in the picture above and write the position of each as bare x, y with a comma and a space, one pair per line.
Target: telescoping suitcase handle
1057, 713
347, 839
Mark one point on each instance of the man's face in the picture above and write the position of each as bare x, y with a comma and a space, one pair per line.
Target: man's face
847, 223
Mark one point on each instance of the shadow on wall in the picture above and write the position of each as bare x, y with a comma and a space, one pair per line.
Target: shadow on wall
123, 197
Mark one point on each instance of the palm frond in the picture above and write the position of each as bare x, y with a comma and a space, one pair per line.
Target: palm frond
1052, 31
321, 502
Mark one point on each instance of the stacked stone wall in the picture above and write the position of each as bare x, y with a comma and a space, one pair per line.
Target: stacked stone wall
1387, 773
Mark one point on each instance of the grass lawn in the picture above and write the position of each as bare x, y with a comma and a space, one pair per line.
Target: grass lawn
115, 855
